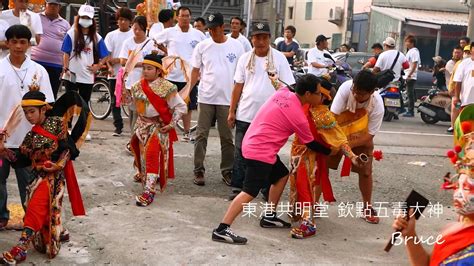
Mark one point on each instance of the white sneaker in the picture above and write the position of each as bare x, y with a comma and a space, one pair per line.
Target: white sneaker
88, 137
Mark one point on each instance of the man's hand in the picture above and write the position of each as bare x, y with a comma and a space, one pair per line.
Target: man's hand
231, 120
456, 100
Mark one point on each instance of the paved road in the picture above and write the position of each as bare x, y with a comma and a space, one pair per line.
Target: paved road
176, 228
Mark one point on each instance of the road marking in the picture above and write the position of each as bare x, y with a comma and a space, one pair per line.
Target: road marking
416, 133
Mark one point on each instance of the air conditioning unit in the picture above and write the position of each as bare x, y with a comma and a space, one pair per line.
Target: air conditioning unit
335, 15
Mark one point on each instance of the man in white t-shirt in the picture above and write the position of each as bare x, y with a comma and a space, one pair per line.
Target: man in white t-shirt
236, 27
464, 78
351, 96
18, 73
252, 88
181, 40
216, 58
21, 15
413, 58
318, 60
165, 20
114, 42
387, 58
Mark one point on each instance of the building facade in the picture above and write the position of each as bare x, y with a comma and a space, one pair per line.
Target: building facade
328, 17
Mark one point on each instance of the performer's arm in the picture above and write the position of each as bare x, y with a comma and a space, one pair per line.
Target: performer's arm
416, 252
234, 101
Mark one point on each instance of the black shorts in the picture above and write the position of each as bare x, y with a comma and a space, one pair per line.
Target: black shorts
193, 95
258, 174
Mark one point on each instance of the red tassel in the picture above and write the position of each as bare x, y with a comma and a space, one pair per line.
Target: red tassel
346, 167
466, 127
457, 149
451, 154
75, 197
378, 155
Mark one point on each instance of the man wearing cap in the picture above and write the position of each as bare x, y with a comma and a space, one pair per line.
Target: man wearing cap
21, 15
387, 58
464, 78
317, 61
413, 57
252, 88
48, 53
181, 40
216, 58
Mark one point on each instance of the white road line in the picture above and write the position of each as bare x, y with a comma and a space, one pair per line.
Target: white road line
416, 133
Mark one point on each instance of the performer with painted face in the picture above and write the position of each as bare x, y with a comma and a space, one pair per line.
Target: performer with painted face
49, 148
159, 107
456, 247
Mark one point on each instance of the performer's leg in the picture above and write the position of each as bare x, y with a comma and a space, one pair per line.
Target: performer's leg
35, 218
238, 170
152, 161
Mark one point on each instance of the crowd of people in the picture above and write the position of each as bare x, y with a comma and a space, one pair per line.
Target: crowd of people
163, 72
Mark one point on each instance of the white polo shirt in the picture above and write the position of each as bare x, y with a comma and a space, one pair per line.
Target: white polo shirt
180, 44
413, 55
465, 74
114, 42
3, 28
11, 93
34, 23
257, 85
244, 41
217, 62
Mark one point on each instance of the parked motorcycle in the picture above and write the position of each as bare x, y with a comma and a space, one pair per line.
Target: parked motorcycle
391, 102
436, 106
339, 72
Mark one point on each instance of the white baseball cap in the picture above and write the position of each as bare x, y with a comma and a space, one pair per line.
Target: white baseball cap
389, 41
86, 10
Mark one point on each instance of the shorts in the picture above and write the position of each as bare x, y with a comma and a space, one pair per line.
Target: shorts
193, 95
333, 161
259, 174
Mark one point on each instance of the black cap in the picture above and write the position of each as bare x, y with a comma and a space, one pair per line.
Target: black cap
321, 38
215, 20
260, 28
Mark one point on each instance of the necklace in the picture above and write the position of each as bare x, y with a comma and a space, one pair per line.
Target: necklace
22, 80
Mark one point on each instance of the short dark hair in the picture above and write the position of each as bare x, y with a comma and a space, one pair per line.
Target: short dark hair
410, 39
472, 45
183, 8
345, 45
202, 20
237, 18
125, 13
377, 45
458, 48
165, 15
141, 21
308, 82
292, 29
466, 39
18, 31
365, 81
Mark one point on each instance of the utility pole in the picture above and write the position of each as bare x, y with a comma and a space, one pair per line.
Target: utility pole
470, 24
349, 23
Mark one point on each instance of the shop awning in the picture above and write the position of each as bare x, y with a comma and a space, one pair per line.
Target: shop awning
424, 18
